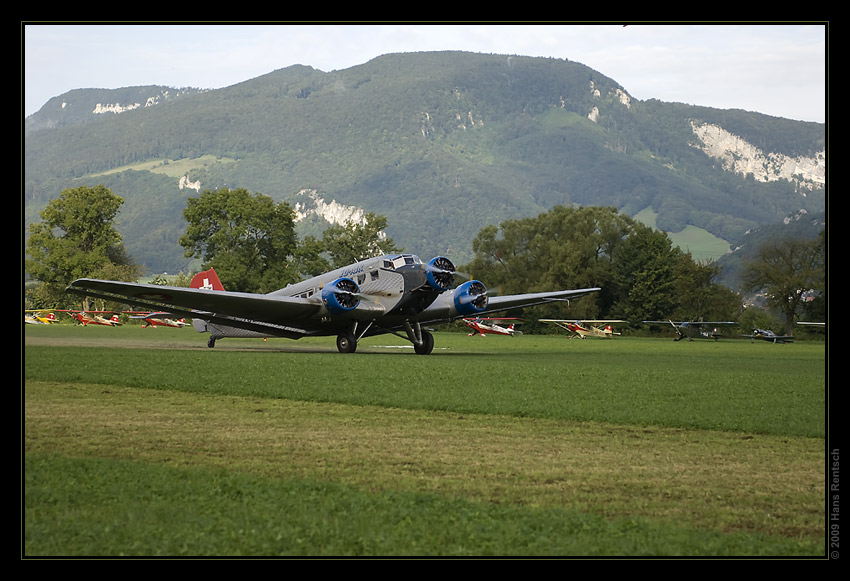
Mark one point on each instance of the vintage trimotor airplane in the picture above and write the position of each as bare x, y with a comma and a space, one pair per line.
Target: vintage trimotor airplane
582, 330
388, 294
770, 336
490, 326
691, 330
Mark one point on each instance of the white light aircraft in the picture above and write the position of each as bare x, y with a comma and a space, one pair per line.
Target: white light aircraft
582, 330
389, 294
491, 326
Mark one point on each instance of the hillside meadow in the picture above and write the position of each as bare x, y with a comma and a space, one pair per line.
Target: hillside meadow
144, 442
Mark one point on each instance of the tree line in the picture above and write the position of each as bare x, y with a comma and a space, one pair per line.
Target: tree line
251, 242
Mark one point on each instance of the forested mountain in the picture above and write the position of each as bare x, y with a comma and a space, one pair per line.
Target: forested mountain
442, 144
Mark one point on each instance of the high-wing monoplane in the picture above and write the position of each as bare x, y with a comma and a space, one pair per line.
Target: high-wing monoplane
41, 317
586, 327
396, 294
770, 336
691, 330
95, 318
157, 319
492, 325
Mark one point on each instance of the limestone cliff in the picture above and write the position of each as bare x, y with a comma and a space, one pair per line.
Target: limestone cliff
740, 157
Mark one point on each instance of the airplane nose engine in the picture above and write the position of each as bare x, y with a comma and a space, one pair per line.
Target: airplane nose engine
341, 295
440, 273
470, 298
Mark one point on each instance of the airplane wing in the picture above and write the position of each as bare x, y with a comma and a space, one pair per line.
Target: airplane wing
582, 320
277, 315
502, 303
691, 323
446, 308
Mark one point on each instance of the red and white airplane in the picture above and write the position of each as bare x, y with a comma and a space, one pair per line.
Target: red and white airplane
157, 319
580, 329
94, 318
481, 326
40, 318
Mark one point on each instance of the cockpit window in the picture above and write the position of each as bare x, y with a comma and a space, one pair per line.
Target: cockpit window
400, 260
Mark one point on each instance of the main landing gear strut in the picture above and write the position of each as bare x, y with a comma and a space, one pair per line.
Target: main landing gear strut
346, 342
423, 341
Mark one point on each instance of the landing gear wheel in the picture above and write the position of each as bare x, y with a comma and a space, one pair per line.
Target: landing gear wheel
346, 343
427, 344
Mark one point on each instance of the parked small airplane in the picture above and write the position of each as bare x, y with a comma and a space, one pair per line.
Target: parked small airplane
579, 329
40, 318
490, 326
691, 330
768, 335
157, 320
388, 294
94, 318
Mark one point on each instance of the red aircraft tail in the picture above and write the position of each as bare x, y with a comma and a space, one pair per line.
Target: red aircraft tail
207, 279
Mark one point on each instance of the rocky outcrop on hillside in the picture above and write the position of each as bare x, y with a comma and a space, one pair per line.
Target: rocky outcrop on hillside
740, 157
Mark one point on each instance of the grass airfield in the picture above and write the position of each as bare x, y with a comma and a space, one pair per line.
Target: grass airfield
144, 442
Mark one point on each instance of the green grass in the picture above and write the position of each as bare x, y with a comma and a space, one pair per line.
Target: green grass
699, 242
496, 446
171, 167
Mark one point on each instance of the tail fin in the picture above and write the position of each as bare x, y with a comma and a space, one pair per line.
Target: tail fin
208, 280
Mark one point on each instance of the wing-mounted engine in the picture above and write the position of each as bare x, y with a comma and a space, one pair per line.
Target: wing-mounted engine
341, 296
440, 273
470, 298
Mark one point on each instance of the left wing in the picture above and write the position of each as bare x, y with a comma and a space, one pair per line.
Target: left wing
466, 301
582, 320
694, 323
500, 303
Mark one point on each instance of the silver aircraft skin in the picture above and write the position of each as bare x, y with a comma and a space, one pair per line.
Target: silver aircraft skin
396, 294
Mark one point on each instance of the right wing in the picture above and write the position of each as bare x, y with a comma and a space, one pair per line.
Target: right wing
273, 314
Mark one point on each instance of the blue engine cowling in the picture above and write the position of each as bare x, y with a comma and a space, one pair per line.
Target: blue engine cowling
341, 295
440, 273
470, 298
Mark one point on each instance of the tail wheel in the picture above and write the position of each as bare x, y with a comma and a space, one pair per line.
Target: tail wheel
346, 343
427, 344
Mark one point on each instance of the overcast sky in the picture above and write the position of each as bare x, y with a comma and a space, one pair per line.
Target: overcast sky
778, 69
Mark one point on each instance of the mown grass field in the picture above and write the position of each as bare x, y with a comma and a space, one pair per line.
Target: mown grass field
143, 442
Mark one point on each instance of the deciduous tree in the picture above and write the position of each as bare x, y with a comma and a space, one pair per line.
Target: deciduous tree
76, 238
248, 239
784, 270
